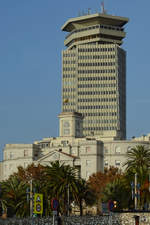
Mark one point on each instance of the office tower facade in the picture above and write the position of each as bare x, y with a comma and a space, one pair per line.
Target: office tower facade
94, 73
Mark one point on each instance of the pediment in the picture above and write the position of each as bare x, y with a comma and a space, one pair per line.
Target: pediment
55, 155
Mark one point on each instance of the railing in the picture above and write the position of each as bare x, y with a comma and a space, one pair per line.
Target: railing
95, 27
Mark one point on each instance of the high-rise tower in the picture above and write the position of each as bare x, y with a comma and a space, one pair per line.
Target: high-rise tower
94, 73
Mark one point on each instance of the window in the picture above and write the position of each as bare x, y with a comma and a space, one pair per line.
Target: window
25, 152
88, 149
106, 150
64, 143
10, 167
117, 162
129, 148
11, 155
73, 151
106, 163
88, 162
25, 165
5, 155
118, 150
5, 169
87, 174
66, 131
66, 124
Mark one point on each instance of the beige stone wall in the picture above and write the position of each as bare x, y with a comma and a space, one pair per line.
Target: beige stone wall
16, 155
88, 155
115, 152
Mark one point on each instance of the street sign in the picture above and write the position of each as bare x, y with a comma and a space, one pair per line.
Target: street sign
38, 203
54, 213
54, 204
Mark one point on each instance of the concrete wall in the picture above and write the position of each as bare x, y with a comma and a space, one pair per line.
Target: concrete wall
117, 219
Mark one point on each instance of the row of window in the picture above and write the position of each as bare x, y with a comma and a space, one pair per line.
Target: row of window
97, 85
97, 64
69, 75
96, 56
109, 27
105, 106
99, 121
97, 100
99, 128
93, 71
93, 107
12, 155
69, 83
68, 96
69, 54
69, 89
117, 163
96, 92
69, 103
69, 62
90, 92
100, 49
117, 150
101, 114
96, 78
69, 68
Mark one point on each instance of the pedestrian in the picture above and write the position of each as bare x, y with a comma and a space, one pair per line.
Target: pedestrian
59, 221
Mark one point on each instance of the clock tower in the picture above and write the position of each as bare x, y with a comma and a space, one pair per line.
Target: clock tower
70, 124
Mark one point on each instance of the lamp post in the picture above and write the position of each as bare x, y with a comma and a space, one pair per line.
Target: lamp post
29, 192
135, 191
68, 201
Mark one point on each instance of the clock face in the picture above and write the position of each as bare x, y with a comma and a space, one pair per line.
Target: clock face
66, 124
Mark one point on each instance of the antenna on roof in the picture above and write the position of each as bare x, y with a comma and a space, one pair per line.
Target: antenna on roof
83, 14
89, 11
103, 8
79, 13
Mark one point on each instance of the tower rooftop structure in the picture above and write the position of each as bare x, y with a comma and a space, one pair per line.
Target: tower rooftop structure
97, 18
99, 27
94, 73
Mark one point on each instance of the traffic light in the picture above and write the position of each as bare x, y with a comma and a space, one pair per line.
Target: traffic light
115, 204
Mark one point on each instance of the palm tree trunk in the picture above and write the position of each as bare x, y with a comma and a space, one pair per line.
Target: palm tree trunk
81, 208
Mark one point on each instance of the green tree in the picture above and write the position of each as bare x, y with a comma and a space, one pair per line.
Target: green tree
117, 191
99, 180
61, 180
138, 162
85, 195
14, 194
36, 173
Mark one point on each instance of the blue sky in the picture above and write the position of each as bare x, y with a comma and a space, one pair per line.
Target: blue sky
31, 41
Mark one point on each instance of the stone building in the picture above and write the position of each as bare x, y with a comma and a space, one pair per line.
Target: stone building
87, 154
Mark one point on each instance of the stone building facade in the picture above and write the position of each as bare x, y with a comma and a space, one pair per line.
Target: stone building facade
87, 154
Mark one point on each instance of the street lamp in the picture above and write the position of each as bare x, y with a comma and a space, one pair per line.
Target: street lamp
29, 192
135, 191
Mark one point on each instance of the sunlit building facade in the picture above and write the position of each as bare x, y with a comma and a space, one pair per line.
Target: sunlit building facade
94, 73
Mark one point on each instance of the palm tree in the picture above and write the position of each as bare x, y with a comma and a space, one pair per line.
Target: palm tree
138, 161
61, 178
14, 193
84, 195
117, 191
36, 173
